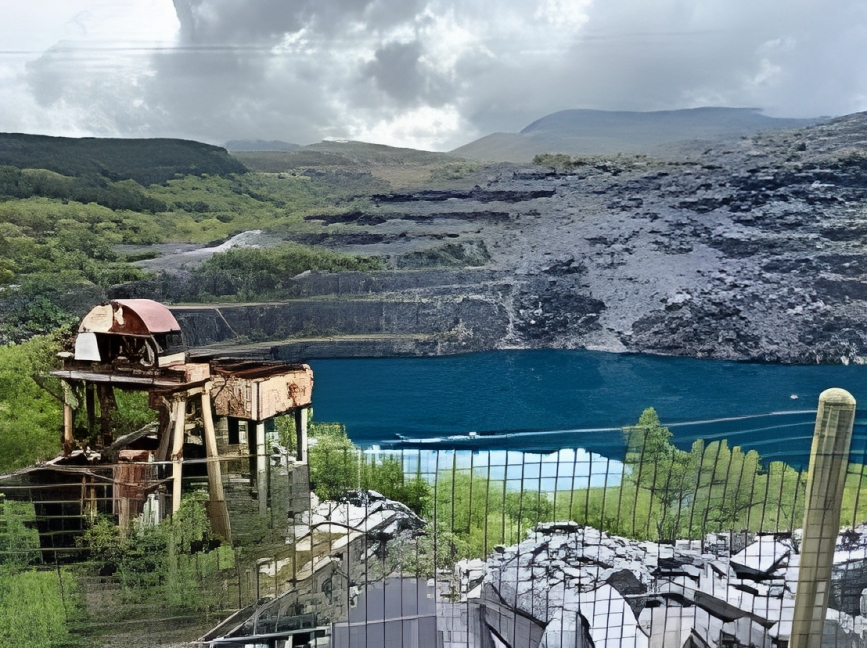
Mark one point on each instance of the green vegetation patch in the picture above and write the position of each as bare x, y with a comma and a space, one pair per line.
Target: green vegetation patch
147, 161
253, 273
175, 562
30, 403
337, 466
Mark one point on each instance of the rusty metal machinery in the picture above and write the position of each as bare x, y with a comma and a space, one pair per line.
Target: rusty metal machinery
137, 345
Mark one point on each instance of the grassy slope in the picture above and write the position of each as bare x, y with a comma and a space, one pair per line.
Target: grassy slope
66, 203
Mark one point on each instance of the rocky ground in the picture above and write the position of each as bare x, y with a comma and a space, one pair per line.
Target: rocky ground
585, 587
749, 249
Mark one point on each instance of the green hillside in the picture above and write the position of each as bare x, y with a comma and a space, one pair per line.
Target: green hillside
67, 204
147, 161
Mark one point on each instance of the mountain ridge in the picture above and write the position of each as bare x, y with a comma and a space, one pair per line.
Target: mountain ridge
584, 132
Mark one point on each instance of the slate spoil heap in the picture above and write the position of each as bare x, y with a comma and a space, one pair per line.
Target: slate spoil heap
746, 249
576, 587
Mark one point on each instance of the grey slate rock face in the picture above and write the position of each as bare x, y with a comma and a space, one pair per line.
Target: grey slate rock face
743, 249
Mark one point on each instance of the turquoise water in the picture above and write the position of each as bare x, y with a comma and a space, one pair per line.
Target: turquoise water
548, 399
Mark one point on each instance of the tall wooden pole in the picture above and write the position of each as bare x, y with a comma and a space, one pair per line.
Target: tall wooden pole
69, 403
261, 468
829, 460
217, 509
300, 434
180, 418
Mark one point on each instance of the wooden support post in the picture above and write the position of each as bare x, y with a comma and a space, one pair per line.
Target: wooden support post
217, 509
300, 434
90, 406
67, 428
180, 418
165, 433
69, 403
107, 405
829, 460
261, 468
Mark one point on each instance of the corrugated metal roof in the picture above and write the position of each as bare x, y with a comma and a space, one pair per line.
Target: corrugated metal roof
156, 317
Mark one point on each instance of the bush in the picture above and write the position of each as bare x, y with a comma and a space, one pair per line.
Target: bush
30, 408
253, 273
168, 562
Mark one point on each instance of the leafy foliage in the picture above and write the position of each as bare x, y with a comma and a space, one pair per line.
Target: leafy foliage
89, 188
252, 273
668, 493
37, 605
166, 562
19, 541
474, 513
334, 460
30, 411
132, 412
387, 476
338, 466
147, 161
38, 608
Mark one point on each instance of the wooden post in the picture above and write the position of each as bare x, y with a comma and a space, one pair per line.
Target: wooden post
217, 509
300, 434
107, 404
67, 428
68, 403
829, 460
90, 406
180, 418
261, 468
165, 434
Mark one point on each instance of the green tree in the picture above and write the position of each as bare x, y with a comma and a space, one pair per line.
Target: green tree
334, 461
387, 476
31, 415
659, 467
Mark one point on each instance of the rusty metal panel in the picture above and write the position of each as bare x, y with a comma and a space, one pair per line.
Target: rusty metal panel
98, 320
134, 480
155, 317
285, 392
261, 398
233, 398
131, 317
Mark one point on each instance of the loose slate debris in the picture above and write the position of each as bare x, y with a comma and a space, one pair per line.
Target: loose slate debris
583, 587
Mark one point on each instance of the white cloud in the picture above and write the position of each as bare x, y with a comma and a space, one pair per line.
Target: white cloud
570, 14
422, 128
430, 73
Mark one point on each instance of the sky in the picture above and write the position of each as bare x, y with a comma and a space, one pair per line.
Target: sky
428, 74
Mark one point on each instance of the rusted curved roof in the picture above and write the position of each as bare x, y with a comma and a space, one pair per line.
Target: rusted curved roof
130, 316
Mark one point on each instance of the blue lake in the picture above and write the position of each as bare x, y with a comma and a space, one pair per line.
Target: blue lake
544, 400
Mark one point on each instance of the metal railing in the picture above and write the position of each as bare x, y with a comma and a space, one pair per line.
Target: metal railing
695, 534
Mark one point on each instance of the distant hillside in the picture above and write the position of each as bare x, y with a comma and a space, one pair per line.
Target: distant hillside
600, 132
260, 145
147, 161
352, 161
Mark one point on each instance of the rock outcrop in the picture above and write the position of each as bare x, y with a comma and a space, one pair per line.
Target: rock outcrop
748, 249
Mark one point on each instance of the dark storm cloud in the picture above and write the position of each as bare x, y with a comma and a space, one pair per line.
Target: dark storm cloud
440, 72
398, 72
261, 21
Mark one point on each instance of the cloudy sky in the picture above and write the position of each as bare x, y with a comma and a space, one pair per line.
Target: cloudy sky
430, 74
